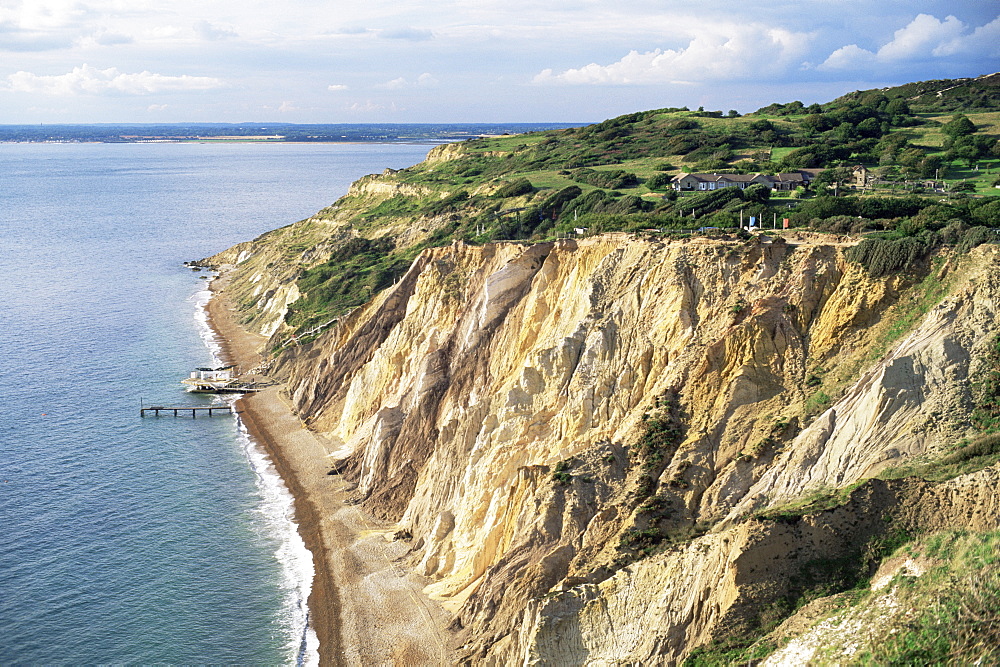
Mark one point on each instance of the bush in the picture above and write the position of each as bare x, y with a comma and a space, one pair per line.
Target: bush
515, 188
976, 236
658, 182
880, 257
758, 193
603, 202
959, 126
986, 414
616, 178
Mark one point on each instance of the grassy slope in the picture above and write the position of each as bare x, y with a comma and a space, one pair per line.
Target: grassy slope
572, 176
464, 198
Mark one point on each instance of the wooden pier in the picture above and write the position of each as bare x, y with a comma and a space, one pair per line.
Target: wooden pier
184, 409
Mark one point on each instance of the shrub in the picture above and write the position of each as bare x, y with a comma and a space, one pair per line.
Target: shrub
986, 388
984, 445
561, 474
959, 126
658, 182
515, 188
616, 178
880, 256
976, 236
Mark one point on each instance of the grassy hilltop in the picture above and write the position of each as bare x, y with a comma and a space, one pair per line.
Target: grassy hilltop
931, 150
799, 435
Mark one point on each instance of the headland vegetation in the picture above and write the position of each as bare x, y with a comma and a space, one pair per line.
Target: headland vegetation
547, 399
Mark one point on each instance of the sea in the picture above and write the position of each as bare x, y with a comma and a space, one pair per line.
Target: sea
128, 539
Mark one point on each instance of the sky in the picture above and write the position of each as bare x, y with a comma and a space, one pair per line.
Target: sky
400, 61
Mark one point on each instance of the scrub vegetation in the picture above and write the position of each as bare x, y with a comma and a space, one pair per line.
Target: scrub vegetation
931, 161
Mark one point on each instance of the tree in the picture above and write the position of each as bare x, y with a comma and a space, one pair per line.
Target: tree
898, 107
967, 153
870, 127
959, 126
658, 182
930, 165
757, 193
816, 122
845, 132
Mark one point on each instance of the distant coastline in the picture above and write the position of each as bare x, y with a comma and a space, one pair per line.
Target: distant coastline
266, 133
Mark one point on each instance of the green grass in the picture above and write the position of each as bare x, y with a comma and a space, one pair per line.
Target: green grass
968, 456
640, 143
815, 501
955, 616
780, 152
552, 180
817, 402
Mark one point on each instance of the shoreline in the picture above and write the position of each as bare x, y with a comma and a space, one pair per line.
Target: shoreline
238, 346
365, 606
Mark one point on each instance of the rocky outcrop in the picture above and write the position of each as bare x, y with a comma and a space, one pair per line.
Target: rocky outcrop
494, 401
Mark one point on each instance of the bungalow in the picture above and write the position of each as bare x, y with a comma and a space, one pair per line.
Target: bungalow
705, 182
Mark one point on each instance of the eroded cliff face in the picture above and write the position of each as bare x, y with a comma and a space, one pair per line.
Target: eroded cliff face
495, 402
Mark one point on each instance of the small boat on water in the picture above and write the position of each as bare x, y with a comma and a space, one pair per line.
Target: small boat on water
222, 380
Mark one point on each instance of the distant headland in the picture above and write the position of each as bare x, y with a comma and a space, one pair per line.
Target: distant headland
267, 132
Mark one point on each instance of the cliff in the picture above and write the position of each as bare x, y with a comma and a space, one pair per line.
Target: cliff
626, 449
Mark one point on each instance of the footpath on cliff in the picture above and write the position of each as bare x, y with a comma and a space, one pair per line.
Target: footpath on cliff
364, 606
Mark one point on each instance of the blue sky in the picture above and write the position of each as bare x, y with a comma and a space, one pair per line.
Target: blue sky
315, 61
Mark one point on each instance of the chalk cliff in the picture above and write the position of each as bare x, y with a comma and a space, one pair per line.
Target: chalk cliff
591, 445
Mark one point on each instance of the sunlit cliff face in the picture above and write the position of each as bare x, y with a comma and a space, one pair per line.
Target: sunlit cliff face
495, 401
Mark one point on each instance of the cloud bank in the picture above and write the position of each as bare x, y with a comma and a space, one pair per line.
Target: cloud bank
719, 53
756, 51
924, 38
87, 80
504, 60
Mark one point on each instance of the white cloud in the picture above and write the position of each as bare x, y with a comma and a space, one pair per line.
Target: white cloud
40, 15
395, 84
848, 57
425, 80
923, 38
103, 38
212, 31
715, 52
984, 41
92, 81
735, 55
287, 107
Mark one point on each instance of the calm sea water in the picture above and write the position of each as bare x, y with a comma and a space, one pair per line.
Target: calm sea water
122, 539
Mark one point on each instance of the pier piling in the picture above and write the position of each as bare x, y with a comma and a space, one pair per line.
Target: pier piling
179, 409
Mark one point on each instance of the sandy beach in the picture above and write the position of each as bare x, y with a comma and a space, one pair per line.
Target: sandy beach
365, 607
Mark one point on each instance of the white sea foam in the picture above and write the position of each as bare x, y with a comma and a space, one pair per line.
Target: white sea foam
276, 515
276, 512
208, 335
